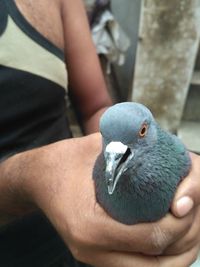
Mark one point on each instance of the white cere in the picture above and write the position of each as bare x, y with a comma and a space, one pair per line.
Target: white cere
116, 147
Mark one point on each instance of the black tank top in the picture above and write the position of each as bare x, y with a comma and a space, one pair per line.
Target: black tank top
33, 85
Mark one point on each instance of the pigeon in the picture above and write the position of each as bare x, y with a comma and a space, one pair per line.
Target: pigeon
140, 165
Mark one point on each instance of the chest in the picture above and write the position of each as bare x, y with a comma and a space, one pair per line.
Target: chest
45, 17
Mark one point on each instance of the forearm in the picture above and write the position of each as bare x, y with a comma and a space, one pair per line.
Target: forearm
91, 124
25, 180
32, 179
13, 201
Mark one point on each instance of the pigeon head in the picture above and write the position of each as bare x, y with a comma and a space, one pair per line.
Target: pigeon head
128, 130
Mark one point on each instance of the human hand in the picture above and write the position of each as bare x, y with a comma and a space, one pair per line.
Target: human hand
58, 179
187, 200
116, 259
188, 193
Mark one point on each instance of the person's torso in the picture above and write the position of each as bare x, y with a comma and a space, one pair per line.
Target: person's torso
33, 76
45, 16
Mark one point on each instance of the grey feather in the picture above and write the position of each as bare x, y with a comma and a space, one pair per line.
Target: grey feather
145, 177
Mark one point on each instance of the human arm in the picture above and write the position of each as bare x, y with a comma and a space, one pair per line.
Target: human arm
71, 36
86, 81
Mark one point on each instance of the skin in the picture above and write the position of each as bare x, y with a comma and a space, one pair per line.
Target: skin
48, 178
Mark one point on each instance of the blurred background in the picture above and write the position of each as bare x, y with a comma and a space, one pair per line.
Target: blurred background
149, 51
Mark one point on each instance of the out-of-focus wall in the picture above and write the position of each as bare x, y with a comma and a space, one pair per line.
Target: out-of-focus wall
127, 13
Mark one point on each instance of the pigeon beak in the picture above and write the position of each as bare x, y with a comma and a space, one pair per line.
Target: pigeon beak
117, 156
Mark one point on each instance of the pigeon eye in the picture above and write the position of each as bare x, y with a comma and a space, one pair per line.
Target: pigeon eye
143, 130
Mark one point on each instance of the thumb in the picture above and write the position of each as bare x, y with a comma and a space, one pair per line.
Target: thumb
188, 192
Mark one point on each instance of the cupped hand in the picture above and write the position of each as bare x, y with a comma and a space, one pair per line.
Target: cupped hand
188, 193
59, 180
187, 201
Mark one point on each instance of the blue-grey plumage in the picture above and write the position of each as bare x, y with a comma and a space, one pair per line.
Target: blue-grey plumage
140, 166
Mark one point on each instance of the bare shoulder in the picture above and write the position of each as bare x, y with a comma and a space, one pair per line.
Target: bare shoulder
45, 16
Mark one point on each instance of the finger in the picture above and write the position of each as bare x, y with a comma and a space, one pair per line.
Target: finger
115, 259
182, 260
189, 240
149, 238
120, 259
188, 193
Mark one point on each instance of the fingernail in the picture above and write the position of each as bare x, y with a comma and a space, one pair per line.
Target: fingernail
184, 205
